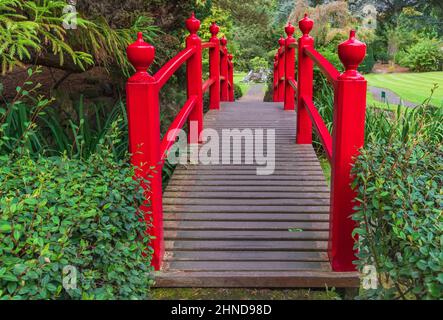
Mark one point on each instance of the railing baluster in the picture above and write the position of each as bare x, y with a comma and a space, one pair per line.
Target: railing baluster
347, 138
224, 95
231, 77
281, 70
194, 78
289, 67
275, 87
214, 68
305, 82
144, 139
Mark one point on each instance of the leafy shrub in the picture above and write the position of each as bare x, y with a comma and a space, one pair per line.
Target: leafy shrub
58, 212
399, 179
238, 92
424, 56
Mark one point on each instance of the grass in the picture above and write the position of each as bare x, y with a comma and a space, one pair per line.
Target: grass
238, 77
242, 294
413, 87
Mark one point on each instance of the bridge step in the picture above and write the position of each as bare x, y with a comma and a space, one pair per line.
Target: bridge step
226, 226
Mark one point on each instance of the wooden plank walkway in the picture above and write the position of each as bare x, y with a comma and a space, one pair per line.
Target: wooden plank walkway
226, 226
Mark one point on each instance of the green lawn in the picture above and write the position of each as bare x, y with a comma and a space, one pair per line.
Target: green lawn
413, 87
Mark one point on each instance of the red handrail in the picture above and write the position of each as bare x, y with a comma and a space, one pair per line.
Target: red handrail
320, 126
348, 123
163, 75
325, 66
174, 129
148, 151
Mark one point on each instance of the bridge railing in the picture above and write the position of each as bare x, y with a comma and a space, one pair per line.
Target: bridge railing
148, 150
348, 122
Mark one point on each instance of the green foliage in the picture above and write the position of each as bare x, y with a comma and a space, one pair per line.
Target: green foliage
425, 55
36, 126
258, 63
399, 179
32, 31
58, 212
238, 92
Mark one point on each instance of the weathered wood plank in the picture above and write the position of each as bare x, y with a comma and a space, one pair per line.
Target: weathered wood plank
233, 266
246, 256
245, 209
247, 235
204, 194
245, 225
249, 202
262, 245
241, 217
271, 279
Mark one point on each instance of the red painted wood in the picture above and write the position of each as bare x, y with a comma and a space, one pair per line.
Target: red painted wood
172, 133
325, 66
144, 140
231, 77
347, 139
194, 78
281, 70
320, 127
214, 68
224, 96
305, 82
289, 68
162, 76
207, 85
275, 87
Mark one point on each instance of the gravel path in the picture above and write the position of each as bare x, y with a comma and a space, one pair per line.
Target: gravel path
391, 97
256, 92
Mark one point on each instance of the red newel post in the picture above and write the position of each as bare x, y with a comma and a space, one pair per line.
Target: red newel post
231, 78
144, 139
290, 67
224, 94
305, 82
214, 68
281, 70
194, 77
275, 92
348, 137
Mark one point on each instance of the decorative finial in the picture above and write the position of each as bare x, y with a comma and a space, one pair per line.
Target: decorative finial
230, 57
193, 24
281, 41
289, 29
214, 29
352, 52
140, 54
306, 25
223, 41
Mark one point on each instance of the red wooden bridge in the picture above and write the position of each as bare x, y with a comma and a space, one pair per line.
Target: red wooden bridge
222, 225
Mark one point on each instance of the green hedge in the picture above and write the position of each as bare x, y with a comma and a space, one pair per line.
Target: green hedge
399, 181
58, 212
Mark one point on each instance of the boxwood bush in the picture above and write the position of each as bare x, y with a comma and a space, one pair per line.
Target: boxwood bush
58, 212
399, 181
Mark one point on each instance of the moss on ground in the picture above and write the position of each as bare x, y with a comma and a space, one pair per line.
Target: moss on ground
242, 294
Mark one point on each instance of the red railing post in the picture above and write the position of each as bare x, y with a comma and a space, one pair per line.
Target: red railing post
142, 102
290, 67
224, 94
194, 78
231, 77
305, 69
347, 138
214, 68
275, 92
281, 70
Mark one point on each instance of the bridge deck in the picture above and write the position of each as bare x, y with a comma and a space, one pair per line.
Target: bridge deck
226, 226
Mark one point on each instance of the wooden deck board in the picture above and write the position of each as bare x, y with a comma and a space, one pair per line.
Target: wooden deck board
226, 226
